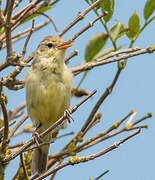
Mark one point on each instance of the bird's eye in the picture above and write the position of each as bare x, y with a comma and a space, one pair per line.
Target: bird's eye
50, 45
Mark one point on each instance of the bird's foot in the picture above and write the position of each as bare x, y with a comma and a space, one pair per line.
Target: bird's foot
68, 115
36, 138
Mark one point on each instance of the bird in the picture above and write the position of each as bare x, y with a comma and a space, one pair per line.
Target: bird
48, 86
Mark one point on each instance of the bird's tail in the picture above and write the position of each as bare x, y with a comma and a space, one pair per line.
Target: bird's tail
40, 158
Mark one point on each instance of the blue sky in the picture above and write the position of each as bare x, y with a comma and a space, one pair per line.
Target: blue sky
134, 90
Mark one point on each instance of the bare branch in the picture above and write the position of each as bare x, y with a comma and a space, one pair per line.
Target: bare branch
17, 126
22, 34
74, 53
23, 166
17, 3
100, 101
50, 19
10, 4
14, 113
89, 25
28, 38
101, 61
80, 16
5, 117
77, 160
10, 124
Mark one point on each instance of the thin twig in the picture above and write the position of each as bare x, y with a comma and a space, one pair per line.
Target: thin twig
115, 53
74, 53
54, 174
17, 3
23, 166
16, 145
28, 38
25, 32
101, 175
28, 11
10, 124
8, 28
77, 160
102, 136
7, 81
14, 113
80, 16
5, 117
106, 135
50, 19
100, 101
17, 126
98, 62
89, 25
149, 115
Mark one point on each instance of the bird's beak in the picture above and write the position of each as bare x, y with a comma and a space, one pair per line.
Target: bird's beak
65, 45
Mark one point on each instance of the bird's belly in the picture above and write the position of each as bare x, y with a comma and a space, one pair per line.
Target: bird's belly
47, 99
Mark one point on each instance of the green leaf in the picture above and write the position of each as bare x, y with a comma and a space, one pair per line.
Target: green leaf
42, 10
118, 30
108, 5
149, 8
94, 45
134, 26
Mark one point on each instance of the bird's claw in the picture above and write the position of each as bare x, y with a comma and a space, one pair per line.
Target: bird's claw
36, 138
68, 115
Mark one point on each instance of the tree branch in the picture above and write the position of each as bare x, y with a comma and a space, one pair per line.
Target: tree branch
101, 61
77, 160
80, 16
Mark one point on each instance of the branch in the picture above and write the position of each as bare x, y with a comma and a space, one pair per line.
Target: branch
101, 61
101, 175
89, 25
22, 34
11, 77
8, 28
50, 19
23, 166
106, 135
14, 113
5, 117
21, 15
74, 53
100, 101
17, 126
27, 39
80, 16
10, 124
77, 160
98, 138
17, 3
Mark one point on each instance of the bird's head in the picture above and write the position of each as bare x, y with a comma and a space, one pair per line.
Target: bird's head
53, 46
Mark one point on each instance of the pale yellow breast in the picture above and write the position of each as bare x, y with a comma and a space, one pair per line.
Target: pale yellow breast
47, 95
